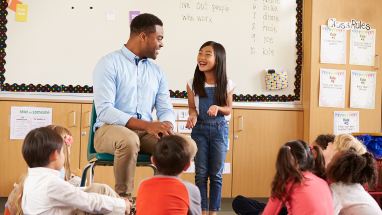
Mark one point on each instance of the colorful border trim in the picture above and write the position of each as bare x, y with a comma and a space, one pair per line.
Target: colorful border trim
173, 94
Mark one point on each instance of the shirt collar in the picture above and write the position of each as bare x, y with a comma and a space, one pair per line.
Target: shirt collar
131, 56
42, 170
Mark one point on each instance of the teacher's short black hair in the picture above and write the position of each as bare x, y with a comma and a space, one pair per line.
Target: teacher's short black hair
144, 23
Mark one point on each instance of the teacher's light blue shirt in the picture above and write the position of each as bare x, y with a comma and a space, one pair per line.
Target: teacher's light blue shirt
124, 89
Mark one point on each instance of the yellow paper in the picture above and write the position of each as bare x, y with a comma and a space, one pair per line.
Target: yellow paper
21, 12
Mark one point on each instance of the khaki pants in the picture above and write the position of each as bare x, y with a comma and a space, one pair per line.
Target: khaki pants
100, 189
124, 144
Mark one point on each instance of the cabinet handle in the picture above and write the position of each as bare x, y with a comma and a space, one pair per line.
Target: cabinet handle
87, 116
72, 116
241, 123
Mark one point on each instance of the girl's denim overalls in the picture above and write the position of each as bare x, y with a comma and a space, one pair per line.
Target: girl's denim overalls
211, 137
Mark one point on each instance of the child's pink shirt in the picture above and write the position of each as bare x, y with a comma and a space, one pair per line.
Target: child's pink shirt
312, 197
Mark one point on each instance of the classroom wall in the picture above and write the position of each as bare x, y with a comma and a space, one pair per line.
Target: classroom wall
317, 119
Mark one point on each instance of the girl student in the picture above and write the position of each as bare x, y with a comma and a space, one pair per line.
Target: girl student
312, 162
66, 172
348, 171
210, 102
294, 184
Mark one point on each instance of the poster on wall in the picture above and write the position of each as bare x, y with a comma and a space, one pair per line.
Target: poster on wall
362, 89
333, 45
346, 122
24, 119
362, 47
332, 88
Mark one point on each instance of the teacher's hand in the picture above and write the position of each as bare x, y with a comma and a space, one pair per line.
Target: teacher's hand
159, 129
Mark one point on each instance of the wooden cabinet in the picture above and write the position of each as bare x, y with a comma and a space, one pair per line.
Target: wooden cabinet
12, 164
258, 134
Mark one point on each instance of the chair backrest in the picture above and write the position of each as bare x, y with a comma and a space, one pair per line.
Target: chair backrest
91, 150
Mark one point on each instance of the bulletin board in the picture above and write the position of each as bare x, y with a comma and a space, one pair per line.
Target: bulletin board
57, 46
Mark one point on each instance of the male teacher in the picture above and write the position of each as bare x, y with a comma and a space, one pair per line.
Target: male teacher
127, 86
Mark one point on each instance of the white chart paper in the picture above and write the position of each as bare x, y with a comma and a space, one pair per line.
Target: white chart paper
333, 45
24, 119
362, 89
362, 47
346, 122
332, 88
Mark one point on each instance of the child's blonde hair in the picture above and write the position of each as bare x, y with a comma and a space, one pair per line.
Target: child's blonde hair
65, 134
344, 142
14, 199
191, 145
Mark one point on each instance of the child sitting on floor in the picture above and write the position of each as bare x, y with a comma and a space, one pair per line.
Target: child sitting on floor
44, 192
166, 193
349, 171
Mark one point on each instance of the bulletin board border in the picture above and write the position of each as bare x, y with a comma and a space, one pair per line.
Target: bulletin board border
55, 88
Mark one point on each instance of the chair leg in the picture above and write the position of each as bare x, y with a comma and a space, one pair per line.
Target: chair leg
92, 166
84, 174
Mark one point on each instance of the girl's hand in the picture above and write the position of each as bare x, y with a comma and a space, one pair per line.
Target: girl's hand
213, 110
191, 121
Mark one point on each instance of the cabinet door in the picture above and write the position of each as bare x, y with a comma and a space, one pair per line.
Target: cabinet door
12, 164
258, 134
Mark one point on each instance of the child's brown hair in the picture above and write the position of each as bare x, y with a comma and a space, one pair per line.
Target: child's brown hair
172, 154
293, 158
323, 140
349, 167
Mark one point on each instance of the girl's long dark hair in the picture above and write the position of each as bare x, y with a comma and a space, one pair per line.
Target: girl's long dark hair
293, 158
220, 75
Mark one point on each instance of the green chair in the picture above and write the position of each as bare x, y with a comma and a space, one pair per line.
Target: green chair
105, 159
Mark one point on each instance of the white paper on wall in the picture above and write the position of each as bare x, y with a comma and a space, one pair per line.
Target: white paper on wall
362, 47
24, 119
332, 88
346, 122
333, 45
362, 89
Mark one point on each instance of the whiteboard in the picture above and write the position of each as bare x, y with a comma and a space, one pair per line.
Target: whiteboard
62, 40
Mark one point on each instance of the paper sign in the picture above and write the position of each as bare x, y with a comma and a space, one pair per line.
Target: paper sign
333, 45
133, 14
21, 12
226, 169
332, 88
182, 114
110, 15
182, 127
362, 89
362, 47
24, 119
346, 122
12, 4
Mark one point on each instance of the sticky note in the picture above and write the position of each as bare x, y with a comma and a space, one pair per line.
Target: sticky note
21, 12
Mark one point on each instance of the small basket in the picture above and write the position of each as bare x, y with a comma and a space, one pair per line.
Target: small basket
276, 80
